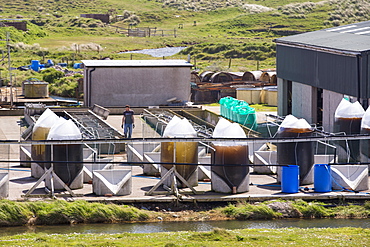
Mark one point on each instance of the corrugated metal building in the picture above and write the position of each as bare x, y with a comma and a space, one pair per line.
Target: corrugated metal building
135, 82
316, 69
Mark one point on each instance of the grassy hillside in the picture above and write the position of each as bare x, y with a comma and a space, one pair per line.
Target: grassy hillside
220, 34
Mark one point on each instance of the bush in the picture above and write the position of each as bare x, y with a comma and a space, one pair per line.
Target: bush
65, 87
248, 211
51, 75
310, 209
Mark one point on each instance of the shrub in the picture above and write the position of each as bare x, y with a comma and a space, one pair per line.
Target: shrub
248, 211
310, 209
51, 75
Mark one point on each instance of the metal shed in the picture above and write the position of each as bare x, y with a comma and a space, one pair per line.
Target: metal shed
135, 82
320, 67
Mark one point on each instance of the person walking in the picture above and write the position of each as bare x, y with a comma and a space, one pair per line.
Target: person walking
128, 122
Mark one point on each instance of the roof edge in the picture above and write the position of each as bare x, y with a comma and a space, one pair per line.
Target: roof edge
318, 48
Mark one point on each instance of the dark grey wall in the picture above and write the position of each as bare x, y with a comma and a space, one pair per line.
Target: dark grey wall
334, 72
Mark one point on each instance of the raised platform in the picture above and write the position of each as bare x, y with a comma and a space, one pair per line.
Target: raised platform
262, 187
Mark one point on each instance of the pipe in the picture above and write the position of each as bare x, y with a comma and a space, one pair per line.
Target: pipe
88, 89
358, 78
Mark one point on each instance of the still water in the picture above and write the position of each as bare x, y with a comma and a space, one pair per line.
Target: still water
186, 226
159, 52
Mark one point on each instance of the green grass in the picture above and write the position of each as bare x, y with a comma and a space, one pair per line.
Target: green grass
227, 36
264, 107
221, 32
217, 237
62, 212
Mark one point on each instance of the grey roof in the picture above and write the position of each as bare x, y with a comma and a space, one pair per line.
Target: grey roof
136, 63
352, 38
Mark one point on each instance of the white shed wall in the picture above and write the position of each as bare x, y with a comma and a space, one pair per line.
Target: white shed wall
282, 97
331, 101
136, 86
304, 102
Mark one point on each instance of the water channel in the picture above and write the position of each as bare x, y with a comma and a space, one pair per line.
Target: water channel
186, 226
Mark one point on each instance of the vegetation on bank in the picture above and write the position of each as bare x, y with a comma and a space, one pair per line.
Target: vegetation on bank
218, 237
62, 212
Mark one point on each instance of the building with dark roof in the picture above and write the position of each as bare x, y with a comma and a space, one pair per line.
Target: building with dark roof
315, 70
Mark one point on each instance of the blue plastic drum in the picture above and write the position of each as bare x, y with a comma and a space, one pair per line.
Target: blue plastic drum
322, 178
290, 179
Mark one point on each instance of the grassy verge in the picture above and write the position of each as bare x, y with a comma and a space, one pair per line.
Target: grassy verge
215, 238
62, 212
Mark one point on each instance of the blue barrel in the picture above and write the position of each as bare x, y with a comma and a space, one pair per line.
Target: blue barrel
290, 179
322, 178
35, 65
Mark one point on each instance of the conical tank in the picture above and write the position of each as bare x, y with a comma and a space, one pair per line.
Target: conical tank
296, 153
230, 159
66, 130
348, 117
180, 152
40, 131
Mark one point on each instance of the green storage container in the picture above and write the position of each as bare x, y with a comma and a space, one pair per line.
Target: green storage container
247, 117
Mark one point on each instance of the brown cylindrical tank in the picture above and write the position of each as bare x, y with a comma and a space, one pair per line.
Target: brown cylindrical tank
234, 159
40, 131
67, 172
296, 153
71, 155
180, 152
39, 152
348, 117
350, 126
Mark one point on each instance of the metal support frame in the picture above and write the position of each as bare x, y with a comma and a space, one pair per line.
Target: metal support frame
173, 190
50, 172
